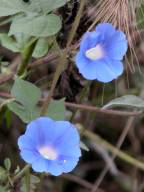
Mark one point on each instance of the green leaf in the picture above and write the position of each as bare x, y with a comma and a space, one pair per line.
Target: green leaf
26, 93
3, 189
41, 48
22, 40
8, 42
7, 164
15, 6
3, 174
50, 5
8, 118
140, 16
130, 101
40, 26
33, 184
26, 114
28, 96
56, 110
11, 7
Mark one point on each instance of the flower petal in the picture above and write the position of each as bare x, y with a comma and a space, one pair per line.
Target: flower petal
40, 130
89, 70
70, 134
54, 168
104, 70
89, 40
67, 152
69, 165
40, 165
105, 29
81, 60
29, 155
116, 46
61, 130
43, 165
26, 143
109, 70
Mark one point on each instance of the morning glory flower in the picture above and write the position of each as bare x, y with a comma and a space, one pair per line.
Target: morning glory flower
101, 53
50, 146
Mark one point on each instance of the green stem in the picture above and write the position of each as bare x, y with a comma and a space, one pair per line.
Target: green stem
26, 56
27, 180
125, 157
54, 82
22, 172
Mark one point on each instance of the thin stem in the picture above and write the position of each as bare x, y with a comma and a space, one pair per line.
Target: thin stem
83, 93
54, 82
128, 126
63, 57
125, 157
27, 180
104, 111
76, 22
26, 56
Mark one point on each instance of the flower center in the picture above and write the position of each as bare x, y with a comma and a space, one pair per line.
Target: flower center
95, 53
48, 153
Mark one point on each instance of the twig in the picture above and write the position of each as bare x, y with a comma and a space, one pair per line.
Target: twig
63, 57
78, 180
76, 22
57, 74
104, 111
115, 151
43, 60
88, 108
128, 126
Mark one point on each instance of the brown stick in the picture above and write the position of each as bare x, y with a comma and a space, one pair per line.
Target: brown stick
104, 111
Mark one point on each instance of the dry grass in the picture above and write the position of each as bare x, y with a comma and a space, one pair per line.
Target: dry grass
122, 14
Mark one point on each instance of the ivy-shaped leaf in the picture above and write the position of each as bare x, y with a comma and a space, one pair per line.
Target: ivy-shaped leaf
24, 113
27, 96
56, 109
26, 93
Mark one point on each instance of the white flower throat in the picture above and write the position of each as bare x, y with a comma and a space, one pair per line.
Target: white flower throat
48, 153
95, 53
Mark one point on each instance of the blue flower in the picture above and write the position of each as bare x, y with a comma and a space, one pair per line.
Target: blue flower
50, 146
101, 52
